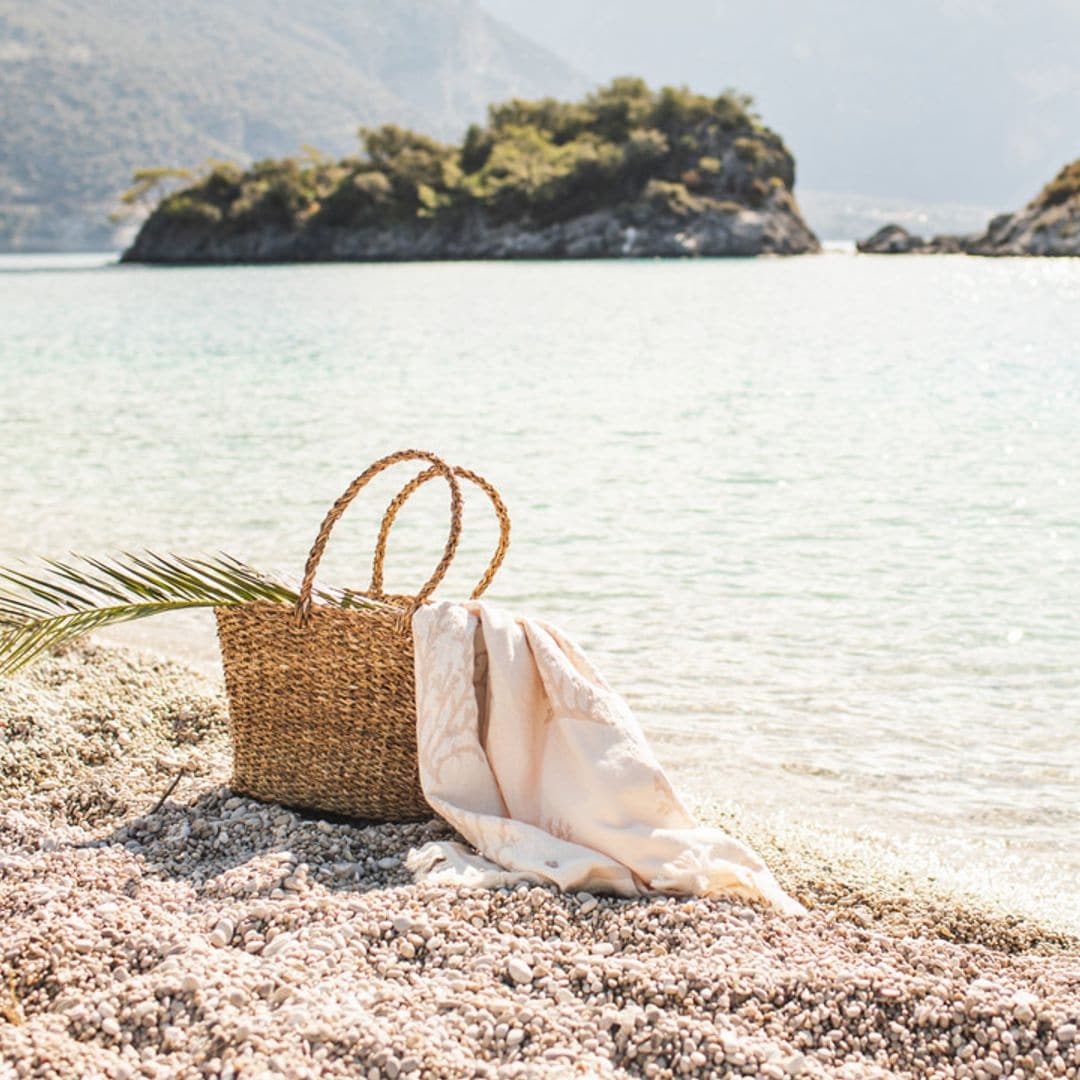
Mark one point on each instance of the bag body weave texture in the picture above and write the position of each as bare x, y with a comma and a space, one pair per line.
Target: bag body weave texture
322, 698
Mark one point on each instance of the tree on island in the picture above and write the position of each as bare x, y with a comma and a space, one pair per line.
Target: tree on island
546, 160
148, 187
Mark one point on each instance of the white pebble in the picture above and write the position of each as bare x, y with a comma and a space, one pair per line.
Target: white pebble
278, 945
519, 971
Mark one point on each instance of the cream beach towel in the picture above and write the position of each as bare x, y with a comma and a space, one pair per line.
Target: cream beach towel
541, 766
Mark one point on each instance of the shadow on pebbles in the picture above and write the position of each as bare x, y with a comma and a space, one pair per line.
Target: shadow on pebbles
216, 936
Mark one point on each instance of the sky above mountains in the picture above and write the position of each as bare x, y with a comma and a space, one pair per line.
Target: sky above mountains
965, 101
934, 113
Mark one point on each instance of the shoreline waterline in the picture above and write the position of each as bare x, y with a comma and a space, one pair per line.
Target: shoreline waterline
984, 873
814, 520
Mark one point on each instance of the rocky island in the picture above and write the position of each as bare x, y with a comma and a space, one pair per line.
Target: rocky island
1048, 225
896, 240
627, 172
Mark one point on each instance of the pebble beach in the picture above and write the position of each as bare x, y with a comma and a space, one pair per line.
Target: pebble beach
156, 924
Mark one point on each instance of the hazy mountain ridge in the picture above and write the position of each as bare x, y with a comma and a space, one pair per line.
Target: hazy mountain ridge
92, 90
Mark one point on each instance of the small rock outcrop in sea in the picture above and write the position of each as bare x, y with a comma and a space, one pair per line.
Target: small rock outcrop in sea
889, 240
896, 240
628, 172
1048, 225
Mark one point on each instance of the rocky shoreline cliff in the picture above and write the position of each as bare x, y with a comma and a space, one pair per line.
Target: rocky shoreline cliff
1049, 225
776, 228
628, 172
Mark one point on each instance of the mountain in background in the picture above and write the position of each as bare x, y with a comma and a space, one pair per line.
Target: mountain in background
92, 89
934, 113
972, 103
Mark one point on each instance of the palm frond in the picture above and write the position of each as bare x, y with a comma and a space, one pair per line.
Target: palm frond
59, 601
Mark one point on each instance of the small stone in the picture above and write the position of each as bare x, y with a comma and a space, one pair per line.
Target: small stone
795, 1064
173, 1036
278, 945
519, 971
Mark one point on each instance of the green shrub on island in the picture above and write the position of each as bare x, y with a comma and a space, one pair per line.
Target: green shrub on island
541, 162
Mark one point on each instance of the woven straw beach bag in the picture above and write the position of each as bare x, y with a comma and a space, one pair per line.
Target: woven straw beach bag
322, 699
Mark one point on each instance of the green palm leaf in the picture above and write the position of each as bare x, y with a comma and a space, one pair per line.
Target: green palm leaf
60, 601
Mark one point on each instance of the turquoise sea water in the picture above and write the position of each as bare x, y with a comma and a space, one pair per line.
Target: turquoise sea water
818, 519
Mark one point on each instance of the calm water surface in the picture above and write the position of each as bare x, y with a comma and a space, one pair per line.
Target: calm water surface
818, 519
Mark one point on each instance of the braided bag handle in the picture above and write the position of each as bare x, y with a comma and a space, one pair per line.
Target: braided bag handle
376, 589
438, 468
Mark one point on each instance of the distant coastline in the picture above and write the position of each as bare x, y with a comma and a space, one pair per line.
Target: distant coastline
1049, 225
627, 172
